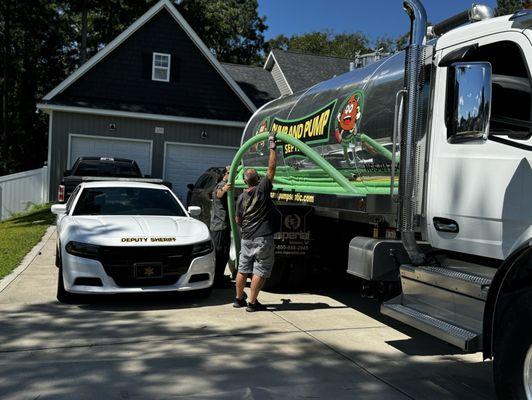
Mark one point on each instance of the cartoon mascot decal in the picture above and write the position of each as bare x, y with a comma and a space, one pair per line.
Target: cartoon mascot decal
348, 119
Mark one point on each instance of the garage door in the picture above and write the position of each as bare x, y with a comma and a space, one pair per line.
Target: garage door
89, 146
184, 164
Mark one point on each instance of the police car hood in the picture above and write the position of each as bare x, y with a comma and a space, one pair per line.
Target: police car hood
136, 230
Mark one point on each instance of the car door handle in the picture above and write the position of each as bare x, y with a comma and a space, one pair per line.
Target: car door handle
445, 225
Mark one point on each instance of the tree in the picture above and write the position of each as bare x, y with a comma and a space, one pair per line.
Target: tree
510, 6
32, 54
346, 45
232, 29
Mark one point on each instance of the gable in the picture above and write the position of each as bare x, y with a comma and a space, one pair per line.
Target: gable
122, 79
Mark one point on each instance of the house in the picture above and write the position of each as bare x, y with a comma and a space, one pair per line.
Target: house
156, 94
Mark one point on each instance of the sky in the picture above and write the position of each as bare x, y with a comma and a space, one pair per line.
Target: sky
375, 18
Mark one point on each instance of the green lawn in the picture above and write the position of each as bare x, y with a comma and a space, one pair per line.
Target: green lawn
19, 234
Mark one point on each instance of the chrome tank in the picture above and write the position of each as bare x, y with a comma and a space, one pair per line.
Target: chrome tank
320, 117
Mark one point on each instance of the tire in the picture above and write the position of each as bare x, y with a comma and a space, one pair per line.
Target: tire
513, 342
57, 256
62, 295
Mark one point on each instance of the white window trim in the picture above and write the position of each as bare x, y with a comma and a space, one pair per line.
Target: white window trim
153, 67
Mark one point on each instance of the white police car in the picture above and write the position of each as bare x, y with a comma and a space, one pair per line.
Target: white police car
126, 237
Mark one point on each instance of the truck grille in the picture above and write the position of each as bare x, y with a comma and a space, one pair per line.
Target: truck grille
119, 262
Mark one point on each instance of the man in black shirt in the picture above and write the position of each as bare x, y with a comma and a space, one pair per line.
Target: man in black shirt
220, 230
254, 213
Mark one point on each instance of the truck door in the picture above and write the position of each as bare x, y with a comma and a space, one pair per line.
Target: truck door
479, 190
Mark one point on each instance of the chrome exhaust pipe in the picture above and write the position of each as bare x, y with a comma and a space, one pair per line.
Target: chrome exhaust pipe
409, 157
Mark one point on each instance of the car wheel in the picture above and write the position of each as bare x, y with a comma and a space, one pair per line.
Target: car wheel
57, 256
512, 364
62, 295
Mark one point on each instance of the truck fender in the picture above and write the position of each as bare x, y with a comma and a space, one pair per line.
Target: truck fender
512, 278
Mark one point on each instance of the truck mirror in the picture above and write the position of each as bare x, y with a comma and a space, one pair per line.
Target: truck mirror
468, 101
67, 172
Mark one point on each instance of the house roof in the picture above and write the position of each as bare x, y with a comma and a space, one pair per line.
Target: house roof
305, 70
256, 82
163, 4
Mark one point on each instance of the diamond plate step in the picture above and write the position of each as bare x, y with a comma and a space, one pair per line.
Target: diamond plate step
456, 280
460, 337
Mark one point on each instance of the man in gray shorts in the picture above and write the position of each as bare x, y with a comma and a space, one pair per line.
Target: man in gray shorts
254, 213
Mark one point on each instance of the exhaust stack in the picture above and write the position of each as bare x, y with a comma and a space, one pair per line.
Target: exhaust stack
409, 157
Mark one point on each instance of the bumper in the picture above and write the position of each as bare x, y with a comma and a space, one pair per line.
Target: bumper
78, 267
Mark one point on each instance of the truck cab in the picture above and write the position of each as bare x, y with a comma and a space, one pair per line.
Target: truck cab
417, 169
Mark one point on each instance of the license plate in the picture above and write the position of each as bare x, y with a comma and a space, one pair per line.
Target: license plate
148, 270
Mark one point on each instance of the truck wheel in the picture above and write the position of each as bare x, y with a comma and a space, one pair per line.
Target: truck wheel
512, 364
62, 295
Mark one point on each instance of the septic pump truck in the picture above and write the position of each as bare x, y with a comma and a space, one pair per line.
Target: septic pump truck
414, 174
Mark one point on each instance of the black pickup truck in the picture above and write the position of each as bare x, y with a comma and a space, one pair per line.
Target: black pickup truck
87, 169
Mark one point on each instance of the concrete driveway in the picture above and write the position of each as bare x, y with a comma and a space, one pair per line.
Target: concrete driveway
326, 344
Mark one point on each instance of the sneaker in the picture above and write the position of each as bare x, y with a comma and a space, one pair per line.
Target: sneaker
252, 307
238, 303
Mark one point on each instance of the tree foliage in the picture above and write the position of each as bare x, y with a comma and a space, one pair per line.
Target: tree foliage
510, 6
345, 45
232, 29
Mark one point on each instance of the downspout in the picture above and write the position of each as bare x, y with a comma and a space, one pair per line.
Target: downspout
409, 158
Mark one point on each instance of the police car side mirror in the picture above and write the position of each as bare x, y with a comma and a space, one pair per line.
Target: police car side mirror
59, 209
194, 211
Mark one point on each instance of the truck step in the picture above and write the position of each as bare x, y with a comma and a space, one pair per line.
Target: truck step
460, 337
456, 279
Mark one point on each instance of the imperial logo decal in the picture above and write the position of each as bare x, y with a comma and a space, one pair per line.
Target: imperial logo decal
147, 239
313, 128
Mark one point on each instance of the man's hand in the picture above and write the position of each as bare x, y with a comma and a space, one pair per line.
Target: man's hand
272, 142
220, 192
272, 161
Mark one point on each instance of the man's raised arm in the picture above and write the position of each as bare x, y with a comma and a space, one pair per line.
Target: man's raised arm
272, 161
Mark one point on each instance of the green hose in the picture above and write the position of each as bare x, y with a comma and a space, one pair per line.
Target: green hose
305, 149
377, 146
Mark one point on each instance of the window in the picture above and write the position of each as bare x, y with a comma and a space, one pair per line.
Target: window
161, 67
127, 201
511, 94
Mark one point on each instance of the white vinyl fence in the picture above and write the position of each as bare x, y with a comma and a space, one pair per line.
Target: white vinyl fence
20, 191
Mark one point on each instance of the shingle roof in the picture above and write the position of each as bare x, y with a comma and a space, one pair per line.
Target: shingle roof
305, 70
256, 82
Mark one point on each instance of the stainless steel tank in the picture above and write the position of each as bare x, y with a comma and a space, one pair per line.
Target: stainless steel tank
333, 116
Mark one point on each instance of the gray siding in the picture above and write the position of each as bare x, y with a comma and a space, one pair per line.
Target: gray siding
64, 124
280, 80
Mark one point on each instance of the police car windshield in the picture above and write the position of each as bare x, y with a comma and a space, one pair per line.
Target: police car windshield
127, 201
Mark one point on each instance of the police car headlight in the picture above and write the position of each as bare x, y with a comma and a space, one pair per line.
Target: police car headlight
83, 250
203, 248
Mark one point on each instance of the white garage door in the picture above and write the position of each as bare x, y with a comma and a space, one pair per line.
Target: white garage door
90, 146
184, 164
